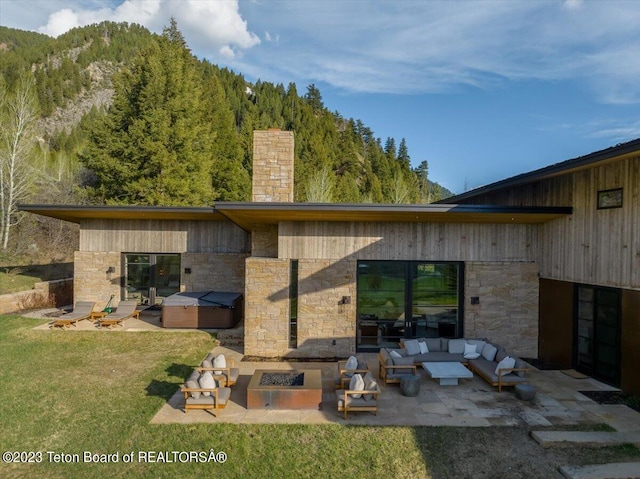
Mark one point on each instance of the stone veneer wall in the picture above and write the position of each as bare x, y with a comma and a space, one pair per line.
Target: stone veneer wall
323, 317
266, 307
508, 310
272, 166
217, 272
91, 280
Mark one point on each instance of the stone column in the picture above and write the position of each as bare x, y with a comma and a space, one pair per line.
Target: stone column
272, 166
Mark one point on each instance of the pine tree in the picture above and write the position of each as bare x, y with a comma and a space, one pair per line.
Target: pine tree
154, 146
403, 155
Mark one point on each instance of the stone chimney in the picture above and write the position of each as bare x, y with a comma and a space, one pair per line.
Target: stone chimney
272, 166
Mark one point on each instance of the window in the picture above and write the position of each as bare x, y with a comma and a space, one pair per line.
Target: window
610, 199
293, 304
407, 299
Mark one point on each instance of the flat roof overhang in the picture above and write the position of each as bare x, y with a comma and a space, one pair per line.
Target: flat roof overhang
76, 214
246, 215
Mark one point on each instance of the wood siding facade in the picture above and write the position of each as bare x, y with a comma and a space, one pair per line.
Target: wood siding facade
592, 246
408, 241
163, 236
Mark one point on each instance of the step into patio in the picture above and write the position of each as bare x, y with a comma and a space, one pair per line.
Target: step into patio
618, 470
585, 438
232, 337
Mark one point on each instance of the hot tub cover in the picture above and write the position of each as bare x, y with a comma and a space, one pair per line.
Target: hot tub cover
219, 299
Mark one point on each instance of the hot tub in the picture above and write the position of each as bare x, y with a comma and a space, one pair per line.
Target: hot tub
204, 309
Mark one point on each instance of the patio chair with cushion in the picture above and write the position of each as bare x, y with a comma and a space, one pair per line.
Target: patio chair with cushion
125, 310
393, 368
221, 366
82, 310
347, 368
362, 395
201, 391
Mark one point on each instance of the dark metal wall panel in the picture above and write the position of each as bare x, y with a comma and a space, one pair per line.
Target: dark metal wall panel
630, 354
556, 323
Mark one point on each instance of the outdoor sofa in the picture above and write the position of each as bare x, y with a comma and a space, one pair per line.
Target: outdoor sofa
479, 355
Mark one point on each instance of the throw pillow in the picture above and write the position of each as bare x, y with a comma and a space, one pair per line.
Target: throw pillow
479, 344
207, 382
395, 355
520, 364
193, 385
500, 355
370, 384
412, 347
219, 362
489, 352
206, 364
356, 384
456, 346
470, 350
506, 363
423, 347
352, 363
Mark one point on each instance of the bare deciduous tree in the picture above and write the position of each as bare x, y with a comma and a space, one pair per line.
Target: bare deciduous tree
18, 115
320, 186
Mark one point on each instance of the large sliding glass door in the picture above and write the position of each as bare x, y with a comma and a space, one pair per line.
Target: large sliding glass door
597, 332
149, 278
407, 299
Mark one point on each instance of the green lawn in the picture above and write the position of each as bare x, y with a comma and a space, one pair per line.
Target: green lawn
70, 392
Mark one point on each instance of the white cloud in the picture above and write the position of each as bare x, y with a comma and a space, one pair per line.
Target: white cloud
573, 4
436, 46
210, 27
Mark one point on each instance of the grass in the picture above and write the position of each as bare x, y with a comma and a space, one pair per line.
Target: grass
70, 392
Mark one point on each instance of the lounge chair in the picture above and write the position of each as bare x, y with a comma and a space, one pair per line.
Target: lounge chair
125, 310
82, 310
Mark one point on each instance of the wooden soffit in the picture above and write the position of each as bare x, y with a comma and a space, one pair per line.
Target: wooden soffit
246, 215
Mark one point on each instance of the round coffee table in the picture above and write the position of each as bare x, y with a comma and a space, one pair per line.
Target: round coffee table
410, 386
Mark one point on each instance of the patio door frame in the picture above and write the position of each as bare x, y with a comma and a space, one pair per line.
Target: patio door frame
153, 276
377, 330
596, 331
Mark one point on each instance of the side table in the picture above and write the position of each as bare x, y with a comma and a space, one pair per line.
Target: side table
410, 386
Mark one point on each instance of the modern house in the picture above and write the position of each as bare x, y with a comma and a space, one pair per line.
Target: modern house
546, 264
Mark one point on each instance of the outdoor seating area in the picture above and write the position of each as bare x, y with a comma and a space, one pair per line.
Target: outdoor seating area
491, 362
547, 398
473, 402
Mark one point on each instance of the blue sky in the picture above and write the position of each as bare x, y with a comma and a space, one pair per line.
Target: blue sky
482, 90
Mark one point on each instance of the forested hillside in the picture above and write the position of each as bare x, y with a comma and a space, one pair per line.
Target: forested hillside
124, 116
